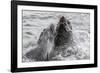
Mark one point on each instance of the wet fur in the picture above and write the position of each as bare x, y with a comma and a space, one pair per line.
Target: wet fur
51, 41
45, 46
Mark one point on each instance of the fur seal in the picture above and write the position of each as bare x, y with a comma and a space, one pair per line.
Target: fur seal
63, 34
45, 46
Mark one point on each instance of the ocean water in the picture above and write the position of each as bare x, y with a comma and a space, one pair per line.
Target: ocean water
35, 21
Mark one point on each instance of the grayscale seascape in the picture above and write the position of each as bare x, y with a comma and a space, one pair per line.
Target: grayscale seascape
55, 36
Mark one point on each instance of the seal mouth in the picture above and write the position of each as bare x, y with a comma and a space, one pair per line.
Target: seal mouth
68, 27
